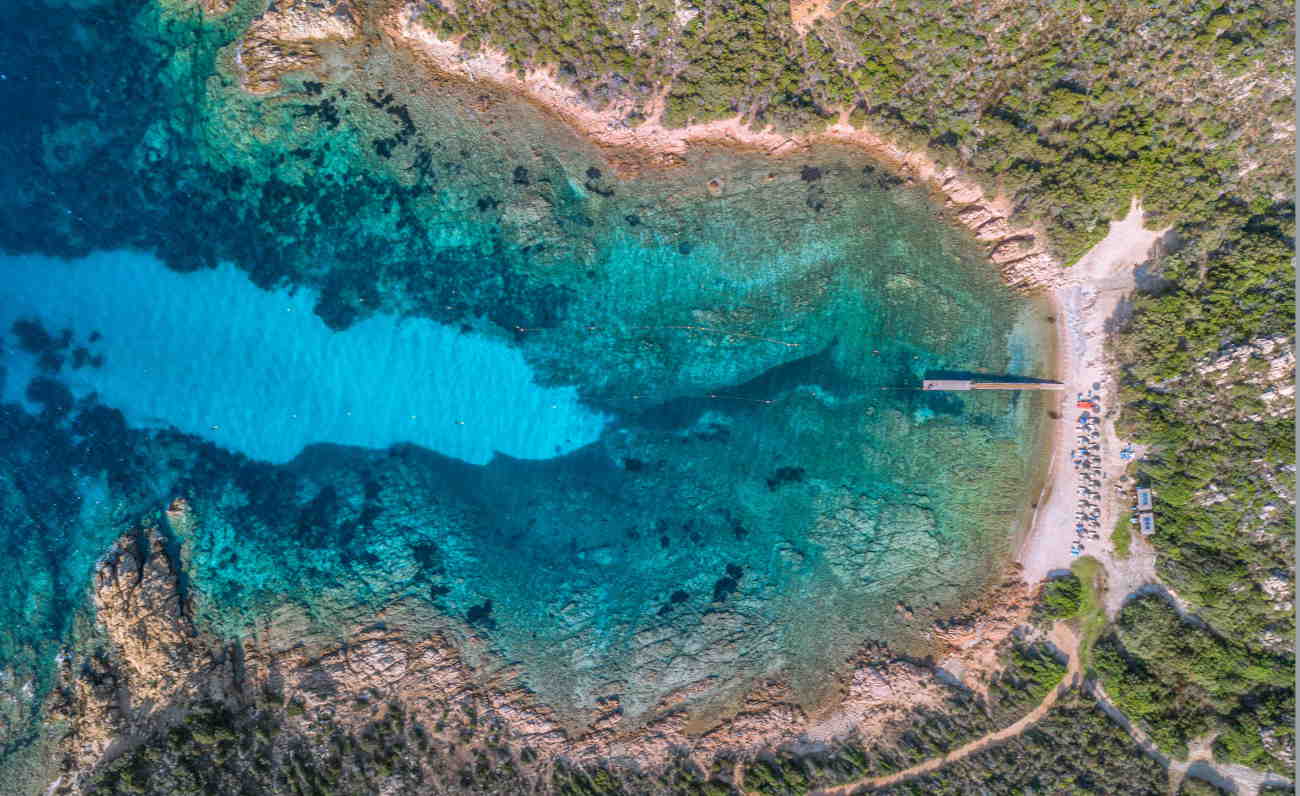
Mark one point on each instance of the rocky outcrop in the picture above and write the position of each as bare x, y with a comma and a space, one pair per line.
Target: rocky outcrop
287, 38
1020, 253
143, 660
139, 605
972, 639
1266, 364
143, 665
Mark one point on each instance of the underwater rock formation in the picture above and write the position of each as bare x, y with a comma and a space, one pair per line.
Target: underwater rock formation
143, 671
703, 572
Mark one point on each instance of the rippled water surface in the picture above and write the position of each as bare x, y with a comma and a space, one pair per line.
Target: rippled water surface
394, 341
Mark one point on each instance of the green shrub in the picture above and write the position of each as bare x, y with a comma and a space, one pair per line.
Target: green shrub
1062, 597
1122, 536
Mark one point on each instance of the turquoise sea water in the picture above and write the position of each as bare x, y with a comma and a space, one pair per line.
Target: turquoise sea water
258, 372
692, 454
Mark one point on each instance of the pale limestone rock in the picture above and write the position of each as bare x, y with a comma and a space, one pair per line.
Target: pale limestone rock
961, 191
994, 229
975, 216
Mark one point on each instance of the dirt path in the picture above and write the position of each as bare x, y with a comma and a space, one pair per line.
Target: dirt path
1200, 763
1066, 641
805, 13
1231, 777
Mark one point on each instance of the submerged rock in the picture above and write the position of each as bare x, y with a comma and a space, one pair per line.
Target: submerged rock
754, 352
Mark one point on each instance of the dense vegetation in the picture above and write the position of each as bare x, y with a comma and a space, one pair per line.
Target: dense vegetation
1122, 535
1061, 598
1214, 432
273, 746
264, 749
1222, 464
1075, 748
1070, 107
1178, 681
1030, 673
270, 748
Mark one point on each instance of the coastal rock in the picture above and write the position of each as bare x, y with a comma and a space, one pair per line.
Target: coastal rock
144, 666
1012, 249
975, 636
142, 662
994, 229
975, 216
1036, 271
881, 692
960, 191
140, 606
766, 718
285, 39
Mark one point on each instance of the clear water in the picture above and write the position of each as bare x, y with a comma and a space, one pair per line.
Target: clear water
693, 452
258, 372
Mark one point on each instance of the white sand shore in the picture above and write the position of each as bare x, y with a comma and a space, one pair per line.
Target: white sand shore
1088, 299
1085, 296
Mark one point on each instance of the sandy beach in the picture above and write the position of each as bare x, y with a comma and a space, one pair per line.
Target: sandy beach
1085, 297
1089, 300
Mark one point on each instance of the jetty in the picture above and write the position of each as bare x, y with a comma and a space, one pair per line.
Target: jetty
971, 384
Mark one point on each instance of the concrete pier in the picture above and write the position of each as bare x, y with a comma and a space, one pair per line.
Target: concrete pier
970, 384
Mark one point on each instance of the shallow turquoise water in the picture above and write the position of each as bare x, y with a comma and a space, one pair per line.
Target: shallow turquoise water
693, 452
259, 373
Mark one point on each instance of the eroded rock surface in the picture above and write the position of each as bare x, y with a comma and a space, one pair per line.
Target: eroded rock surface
287, 38
143, 666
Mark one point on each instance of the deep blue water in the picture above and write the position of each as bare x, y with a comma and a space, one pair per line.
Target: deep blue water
396, 343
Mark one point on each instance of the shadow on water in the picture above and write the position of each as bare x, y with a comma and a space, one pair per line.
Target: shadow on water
501, 495
937, 402
816, 370
966, 375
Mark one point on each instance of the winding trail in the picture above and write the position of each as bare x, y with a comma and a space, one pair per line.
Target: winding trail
1232, 777
1200, 764
1066, 640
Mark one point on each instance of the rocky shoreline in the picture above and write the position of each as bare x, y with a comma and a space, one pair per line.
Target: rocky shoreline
145, 663
292, 37
1020, 253
143, 666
